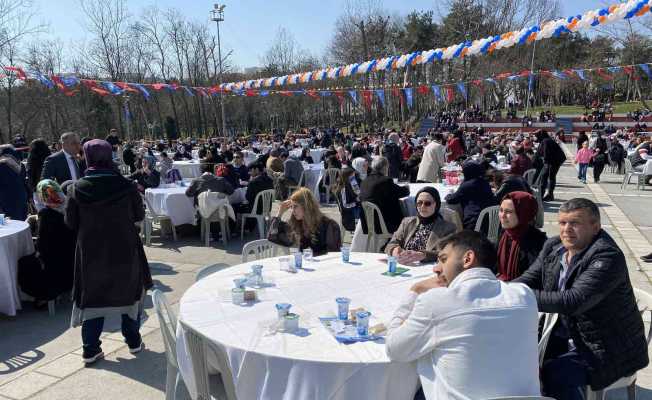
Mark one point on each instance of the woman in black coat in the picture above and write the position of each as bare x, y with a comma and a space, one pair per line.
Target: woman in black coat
474, 194
49, 273
521, 242
111, 270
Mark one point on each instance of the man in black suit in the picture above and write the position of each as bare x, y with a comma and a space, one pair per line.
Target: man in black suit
208, 181
258, 182
380, 189
64, 165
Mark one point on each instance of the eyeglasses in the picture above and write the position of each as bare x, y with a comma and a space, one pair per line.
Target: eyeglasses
424, 203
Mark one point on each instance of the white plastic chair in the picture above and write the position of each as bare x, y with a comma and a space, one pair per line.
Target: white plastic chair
539, 220
550, 319
299, 185
124, 169
529, 176
333, 175
644, 302
630, 173
452, 216
370, 209
265, 198
168, 324
197, 346
150, 218
262, 248
208, 270
215, 217
494, 223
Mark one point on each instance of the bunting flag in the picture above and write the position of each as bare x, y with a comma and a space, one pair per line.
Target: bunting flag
462, 88
450, 94
408, 97
142, 90
112, 88
602, 74
436, 90
380, 93
367, 97
646, 69
397, 93
340, 97
629, 70
325, 93
264, 93
313, 94
188, 91
126, 87
44, 80
478, 83
580, 74
423, 90
354, 96
18, 72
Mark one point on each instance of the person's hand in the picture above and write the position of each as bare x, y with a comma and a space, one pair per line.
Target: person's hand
427, 284
397, 251
284, 207
410, 257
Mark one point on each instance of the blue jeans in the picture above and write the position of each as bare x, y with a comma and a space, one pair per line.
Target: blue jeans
582, 171
92, 329
565, 376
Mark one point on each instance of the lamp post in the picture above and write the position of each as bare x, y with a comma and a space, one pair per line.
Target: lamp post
217, 15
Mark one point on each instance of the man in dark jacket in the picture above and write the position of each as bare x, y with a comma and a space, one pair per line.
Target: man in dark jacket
582, 276
64, 165
553, 157
259, 181
208, 181
392, 152
380, 189
474, 194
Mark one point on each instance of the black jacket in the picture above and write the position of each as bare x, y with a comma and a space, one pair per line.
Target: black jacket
383, 192
393, 154
208, 182
327, 238
474, 194
550, 152
598, 307
513, 183
56, 168
257, 185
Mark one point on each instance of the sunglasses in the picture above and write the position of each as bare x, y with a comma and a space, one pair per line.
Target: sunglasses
424, 203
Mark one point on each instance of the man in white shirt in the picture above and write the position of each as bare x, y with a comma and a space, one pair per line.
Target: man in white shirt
434, 157
473, 336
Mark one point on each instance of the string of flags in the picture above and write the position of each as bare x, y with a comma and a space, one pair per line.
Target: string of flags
70, 85
554, 28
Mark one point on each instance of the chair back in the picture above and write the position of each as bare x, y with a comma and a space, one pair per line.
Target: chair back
529, 176
333, 175
452, 216
168, 324
494, 223
260, 249
628, 165
124, 169
209, 269
644, 303
369, 210
197, 347
266, 198
549, 320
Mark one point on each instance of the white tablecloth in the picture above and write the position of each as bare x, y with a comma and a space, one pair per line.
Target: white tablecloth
408, 206
174, 203
315, 154
187, 169
15, 242
311, 364
313, 174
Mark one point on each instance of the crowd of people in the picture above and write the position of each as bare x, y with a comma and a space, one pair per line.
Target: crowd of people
86, 199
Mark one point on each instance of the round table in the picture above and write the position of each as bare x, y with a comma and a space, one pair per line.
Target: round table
187, 169
310, 364
173, 202
15, 242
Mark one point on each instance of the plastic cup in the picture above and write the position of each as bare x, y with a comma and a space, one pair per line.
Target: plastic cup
346, 253
391, 264
362, 322
240, 282
2, 219
237, 295
343, 308
396, 181
290, 322
298, 258
307, 254
283, 309
284, 263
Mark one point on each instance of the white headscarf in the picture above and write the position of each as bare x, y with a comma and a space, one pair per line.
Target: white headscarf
358, 165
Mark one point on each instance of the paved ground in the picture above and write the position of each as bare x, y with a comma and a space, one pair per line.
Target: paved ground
40, 355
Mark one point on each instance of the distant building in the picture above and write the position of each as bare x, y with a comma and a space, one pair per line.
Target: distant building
252, 70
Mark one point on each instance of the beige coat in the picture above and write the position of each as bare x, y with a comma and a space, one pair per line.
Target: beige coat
408, 228
434, 157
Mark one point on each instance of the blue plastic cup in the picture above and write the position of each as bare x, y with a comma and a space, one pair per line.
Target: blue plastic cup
298, 259
362, 322
343, 308
346, 253
283, 309
391, 264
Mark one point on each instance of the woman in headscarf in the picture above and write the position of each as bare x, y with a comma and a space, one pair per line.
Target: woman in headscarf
49, 273
521, 242
474, 194
147, 177
361, 166
13, 193
182, 154
416, 238
111, 270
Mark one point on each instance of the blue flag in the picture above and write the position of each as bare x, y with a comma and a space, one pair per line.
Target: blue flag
381, 96
580, 73
436, 90
530, 83
646, 69
354, 96
142, 89
408, 97
461, 88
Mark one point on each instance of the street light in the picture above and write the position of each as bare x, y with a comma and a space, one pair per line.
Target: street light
217, 15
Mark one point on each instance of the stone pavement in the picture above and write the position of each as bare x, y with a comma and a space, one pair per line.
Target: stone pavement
40, 355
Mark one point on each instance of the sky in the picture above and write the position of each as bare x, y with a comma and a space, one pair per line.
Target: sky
250, 25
